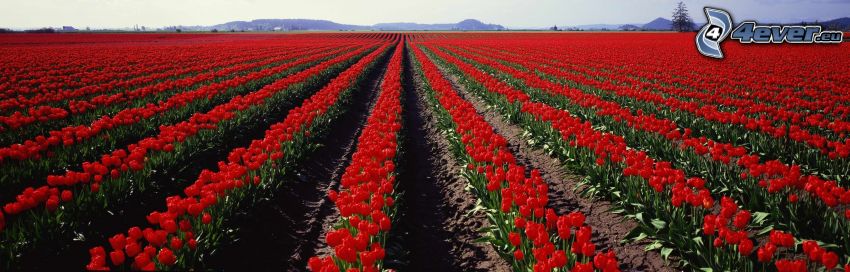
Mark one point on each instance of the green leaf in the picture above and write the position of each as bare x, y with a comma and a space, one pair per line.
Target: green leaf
640, 236
658, 224
639, 217
655, 245
698, 240
764, 231
665, 252
617, 211
760, 217
634, 235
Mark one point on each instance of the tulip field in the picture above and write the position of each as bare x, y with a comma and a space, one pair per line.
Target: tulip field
421, 151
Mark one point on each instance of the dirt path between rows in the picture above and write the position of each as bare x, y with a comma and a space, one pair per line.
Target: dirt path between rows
291, 227
435, 231
608, 228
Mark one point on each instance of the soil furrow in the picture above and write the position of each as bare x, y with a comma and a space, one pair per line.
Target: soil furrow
435, 230
284, 232
609, 229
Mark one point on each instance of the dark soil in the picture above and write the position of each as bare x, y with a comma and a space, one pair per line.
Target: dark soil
435, 230
284, 232
608, 228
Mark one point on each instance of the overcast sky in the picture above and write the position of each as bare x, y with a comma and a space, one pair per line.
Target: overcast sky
510, 13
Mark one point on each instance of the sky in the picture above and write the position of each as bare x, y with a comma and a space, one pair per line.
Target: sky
510, 13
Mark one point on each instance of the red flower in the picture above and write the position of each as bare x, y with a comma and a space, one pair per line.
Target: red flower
141, 260
117, 257
829, 260
514, 238
718, 242
346, 253
582, 267
793, 198
166, 257
791, 266
518, 255
742, 219
118, 241
745, 247
98, 260
52, 203
176, 243
67, 196
765, 253
133, 249
708, 225
206, 219
588, 249
169, 225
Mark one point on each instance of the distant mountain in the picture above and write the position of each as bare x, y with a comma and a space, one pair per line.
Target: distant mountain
838, 24
284, 24
600, 26
308, 24
468, 24
659, 24
662, 24
412, 26
629, 27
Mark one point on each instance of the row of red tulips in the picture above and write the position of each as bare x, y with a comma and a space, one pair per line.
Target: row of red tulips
523, 223
133, 158
786, 112
807, 107
736, 123
806, 94
111, 82
608, 148
776, 176
171, 239
366, 195
72, 68
35, 69
834, 147
70, 135
788, 86
80, 100
772, 150
124, 168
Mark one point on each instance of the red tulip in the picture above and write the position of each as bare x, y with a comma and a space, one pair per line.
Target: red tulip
52, 203
176, 243
132, 249
829, 260
118, 241
518, 255
67, 196
514, 238
206, 219
742, 219
117, 257
166, 257
745, 247
141, 261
